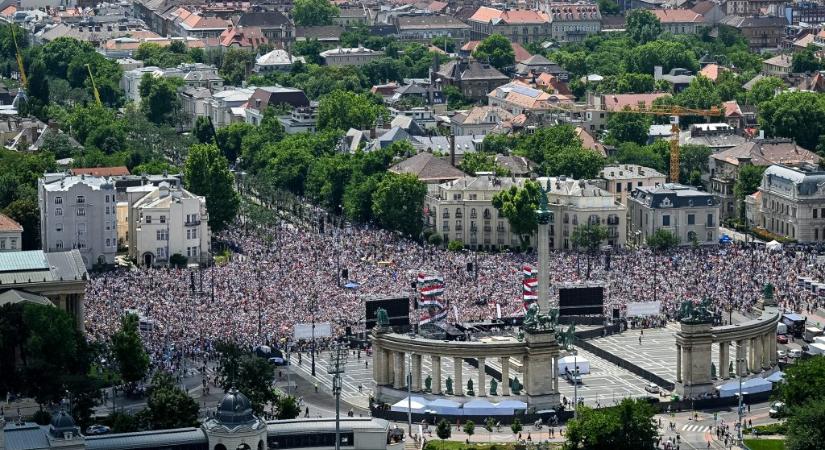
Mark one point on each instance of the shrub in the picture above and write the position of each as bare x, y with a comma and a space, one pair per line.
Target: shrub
178, 260
435, 239
455, 246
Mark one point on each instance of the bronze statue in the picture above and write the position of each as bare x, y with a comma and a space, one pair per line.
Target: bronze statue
381, 317
493, 386
767, 291
515, 386
691, 313
449, 386
470, 390
428, 382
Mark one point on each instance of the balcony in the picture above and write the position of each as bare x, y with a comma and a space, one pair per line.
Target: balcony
192, 223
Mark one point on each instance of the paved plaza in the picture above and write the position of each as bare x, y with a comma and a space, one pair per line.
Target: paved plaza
605, 384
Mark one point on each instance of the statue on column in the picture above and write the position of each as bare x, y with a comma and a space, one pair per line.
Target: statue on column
449, 386
730, 370
382, 319
493, 386
470, 387
428, 383
515, 386
767, 291
712, 370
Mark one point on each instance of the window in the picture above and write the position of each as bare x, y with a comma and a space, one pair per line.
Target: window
710, 236
162, 235
108, 211
58, 200
188, 252
108, 242
58, 245
58, 211
107, 199
81, 244
2, 244
188, 234
691, 219
81, 199
666, 220
194, 233
108, 225
618, 187
815, 211
58, 228
81, 211
162, 219
148, 219
710, 220
816, 234
194, 251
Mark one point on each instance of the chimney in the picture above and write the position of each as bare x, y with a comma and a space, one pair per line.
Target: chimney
452, 149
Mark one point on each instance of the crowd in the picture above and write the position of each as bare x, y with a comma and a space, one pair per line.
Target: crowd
286, 275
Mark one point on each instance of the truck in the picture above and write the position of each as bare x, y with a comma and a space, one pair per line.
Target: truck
781, 328
811, 333
816, 349
795, 323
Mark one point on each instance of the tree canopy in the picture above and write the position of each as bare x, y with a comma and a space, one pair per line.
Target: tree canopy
496, 50
628, 426
342, 110
206, 173
128, 350
642, 26
796, 115
518, 205
397, 202
314, 12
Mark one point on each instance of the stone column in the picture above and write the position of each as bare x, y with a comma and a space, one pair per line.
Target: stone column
687, 364
436, 363
774, 358
389, 367
724, 357
678, 363
458, 383
768, 351
399, 371
505, 376
554, 372
377, 364
543, 243
756, 363
416, 373
482, 377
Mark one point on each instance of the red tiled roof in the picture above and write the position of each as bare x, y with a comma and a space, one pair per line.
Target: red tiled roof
101, 171
732, 109
712, 71
9, 224
677, 16
486, 14
618, 102
520, 52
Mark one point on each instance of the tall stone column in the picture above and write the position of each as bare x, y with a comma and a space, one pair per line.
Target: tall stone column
436, 363
724, 357
389, 367
458, 386
505, 376
678, 363
482, 377
756, 364
378, 364
399, 371
774, 358
554, 372
416, 373
543, 242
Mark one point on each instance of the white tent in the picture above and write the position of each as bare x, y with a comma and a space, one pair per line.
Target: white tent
446, 407
776, 377
570, 363
415, 404
773, 246
479, 407
752, 386
509, 407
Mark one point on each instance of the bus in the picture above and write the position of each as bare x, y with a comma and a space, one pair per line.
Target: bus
795, 323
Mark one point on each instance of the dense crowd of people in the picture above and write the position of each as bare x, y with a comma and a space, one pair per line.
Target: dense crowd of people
282, 276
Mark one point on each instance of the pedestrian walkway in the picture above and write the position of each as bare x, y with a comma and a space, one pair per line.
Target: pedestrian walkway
696, 428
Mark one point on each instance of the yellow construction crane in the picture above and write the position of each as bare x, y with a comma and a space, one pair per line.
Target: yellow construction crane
24, 81
94, 86
674, 112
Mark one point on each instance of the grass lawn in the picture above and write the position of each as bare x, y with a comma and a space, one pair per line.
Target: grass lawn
438, 444
765, 444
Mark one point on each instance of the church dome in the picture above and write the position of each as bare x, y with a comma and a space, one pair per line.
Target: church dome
234, 409
62, 423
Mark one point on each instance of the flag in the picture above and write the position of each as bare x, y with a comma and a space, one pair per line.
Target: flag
430, 290
530, 285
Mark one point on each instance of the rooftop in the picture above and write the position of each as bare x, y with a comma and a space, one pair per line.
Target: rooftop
629, 171
427, 167
7, 224
36, 266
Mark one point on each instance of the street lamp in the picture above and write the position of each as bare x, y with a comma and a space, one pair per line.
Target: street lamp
409, 398
336, 368
575, 384
740, 362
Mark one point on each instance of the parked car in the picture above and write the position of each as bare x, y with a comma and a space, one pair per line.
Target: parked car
777, 410
575, 379
97, 429
794, 353
781, 354
782, 338
653, 388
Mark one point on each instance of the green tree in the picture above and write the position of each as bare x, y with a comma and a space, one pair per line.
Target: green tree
628, 127
455, 246
668, 54
128, 350
445, 43
287, 407
496, 50
397, 202
435, 239
764, 89
206, 173
470, 426
516, 426
342, 110
748, 181
589, 238
558, 151
693, 159
314, 12
642, 26
204, 132
519, 206
27, 214
169, 406
579, 163
472, 163
327, 179
700, 94
159, 98
803, 381
806, 60
609, 7
443, 430
358, 196
230, 139
627, 427
246, 372
662, 240
236, 65
729, 86
805, 430
796, 115
310, 50
654, 155
625, 83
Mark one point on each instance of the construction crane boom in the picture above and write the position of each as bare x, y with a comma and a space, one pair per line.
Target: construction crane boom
24, 81
94, 86
656, 110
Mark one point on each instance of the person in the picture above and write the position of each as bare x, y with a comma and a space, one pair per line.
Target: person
306, 414
316, 386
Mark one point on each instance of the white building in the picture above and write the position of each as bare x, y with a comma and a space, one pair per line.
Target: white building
195, 75
78, 212
164, 221
463, 210
691, 215
791, 202
350, 56
11, 234
620, 180
276, 60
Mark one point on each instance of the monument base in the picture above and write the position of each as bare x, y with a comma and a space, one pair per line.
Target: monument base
694, 390
541, 402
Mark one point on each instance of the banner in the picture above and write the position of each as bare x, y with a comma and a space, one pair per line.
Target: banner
530, 284
304, 330
432, 308
642, 309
